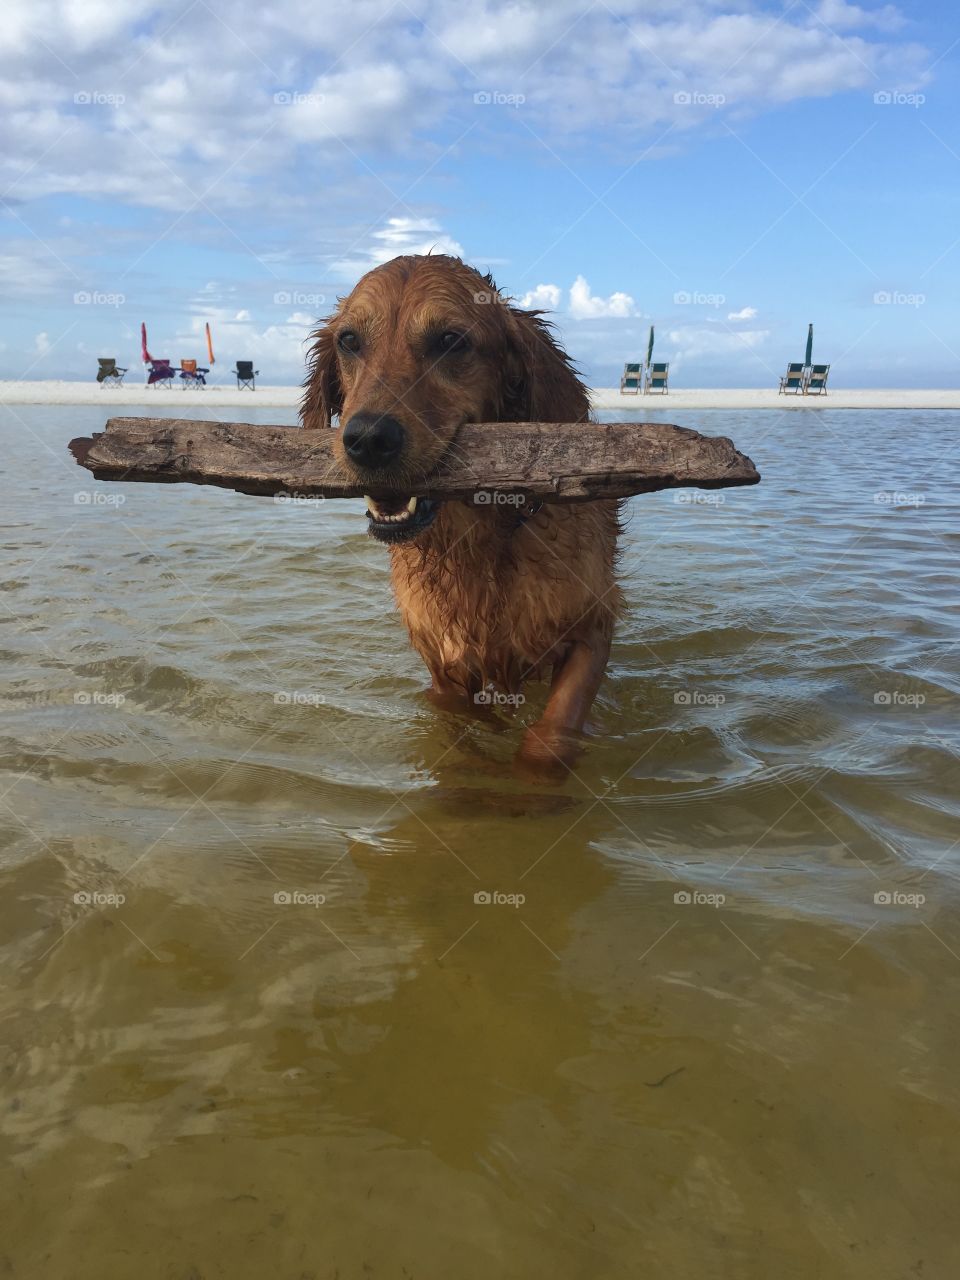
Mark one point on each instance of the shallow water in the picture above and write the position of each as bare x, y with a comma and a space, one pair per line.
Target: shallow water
208, 702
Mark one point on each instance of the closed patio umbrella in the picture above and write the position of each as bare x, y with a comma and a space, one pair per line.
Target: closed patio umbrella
145, 355
650, 346
210, 345
808, 358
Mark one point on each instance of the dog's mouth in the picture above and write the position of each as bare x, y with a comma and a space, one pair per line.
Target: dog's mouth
397, 519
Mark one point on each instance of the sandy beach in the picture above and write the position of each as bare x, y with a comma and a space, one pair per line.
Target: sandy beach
606, 398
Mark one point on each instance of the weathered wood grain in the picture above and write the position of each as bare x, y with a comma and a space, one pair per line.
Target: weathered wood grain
549, 462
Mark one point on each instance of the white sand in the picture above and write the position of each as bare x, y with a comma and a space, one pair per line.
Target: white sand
217, 398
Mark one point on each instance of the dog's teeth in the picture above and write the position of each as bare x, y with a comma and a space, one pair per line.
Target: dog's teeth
371, 505
412, 506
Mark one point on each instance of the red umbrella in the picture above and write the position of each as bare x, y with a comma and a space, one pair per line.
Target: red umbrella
145, 355
210, 346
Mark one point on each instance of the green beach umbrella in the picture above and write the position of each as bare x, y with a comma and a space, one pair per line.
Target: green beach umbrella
808, 358
650, 346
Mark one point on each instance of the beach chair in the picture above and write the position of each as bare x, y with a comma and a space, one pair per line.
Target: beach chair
109, 374
191, 376
631, 379
656, 379
246, 375
161, 373
792, 381
817, 380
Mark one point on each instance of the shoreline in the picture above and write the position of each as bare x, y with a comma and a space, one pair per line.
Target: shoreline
605, 398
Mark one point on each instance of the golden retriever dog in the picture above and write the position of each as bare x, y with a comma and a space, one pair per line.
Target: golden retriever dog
492, 593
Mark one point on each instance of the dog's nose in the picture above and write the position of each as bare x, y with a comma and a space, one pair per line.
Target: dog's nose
372, 440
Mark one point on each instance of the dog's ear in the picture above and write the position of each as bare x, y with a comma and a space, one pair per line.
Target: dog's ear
323, 394
540, 382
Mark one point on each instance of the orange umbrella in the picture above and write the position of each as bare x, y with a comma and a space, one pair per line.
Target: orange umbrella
210, 345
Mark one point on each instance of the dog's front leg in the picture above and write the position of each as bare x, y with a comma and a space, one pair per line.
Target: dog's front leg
552, 744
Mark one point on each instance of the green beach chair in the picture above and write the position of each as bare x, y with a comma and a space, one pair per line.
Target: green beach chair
109, 373
657, 375
792, 381
631, 380
817, 380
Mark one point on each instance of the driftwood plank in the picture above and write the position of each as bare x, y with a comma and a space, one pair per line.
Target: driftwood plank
551, 462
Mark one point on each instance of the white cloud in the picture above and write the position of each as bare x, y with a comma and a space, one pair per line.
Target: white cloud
693, 342
399, 236
584, 306
41, 343
545, 297
747, 313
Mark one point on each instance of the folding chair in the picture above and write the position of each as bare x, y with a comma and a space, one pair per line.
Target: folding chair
246, 375
631, 380
657, 378
109, 373
191, 376
792, 381
161, 373
817, 380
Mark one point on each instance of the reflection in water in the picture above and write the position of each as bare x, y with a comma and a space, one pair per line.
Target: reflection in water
303, 981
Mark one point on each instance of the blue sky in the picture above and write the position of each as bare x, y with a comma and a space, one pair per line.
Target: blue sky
726, 171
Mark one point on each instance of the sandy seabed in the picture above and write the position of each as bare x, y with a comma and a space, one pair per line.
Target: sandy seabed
217, 397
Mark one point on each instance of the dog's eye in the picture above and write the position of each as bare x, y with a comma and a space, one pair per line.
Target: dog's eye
349, 341
451, 341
